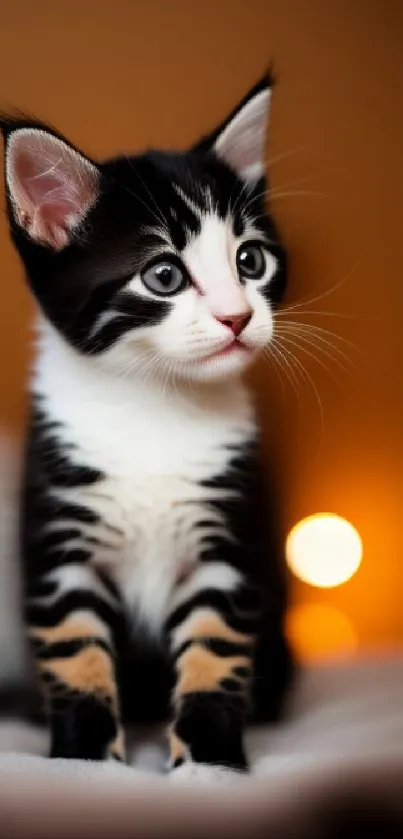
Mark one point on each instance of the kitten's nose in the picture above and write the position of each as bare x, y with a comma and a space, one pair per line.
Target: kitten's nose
236, 322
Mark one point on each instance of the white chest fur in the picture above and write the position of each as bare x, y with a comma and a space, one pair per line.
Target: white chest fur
155, 447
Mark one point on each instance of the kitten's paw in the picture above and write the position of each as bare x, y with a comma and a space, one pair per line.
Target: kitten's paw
203, 773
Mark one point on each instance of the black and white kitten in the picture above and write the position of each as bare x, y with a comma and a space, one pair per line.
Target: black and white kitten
151, 590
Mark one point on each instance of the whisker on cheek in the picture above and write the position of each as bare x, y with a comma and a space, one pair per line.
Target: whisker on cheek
295, 364
327, 291
298, 346
276, 354
318, 342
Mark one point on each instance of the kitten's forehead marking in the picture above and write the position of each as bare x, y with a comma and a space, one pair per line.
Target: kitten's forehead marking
210, 259
191, 205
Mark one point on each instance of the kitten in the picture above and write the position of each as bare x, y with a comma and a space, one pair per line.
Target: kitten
151, 588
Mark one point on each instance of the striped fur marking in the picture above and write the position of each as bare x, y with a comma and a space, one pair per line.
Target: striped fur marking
199, 669
85, 667
88, 671
205, 623
85, 626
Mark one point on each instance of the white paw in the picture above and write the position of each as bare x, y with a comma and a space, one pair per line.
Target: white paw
203, 773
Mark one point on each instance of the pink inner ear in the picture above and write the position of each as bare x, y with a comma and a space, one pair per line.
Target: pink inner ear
51, 200
51, 186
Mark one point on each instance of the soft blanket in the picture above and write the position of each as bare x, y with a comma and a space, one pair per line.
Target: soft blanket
334, 765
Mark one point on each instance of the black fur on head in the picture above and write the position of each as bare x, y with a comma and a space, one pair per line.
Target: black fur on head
83, 228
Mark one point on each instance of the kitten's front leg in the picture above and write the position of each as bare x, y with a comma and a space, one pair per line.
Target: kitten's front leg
212, 638
71, 637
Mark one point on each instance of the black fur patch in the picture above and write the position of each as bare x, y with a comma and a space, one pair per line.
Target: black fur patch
212, 726
82, 726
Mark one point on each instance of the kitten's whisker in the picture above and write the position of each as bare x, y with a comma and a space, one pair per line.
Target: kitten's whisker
299, 193
270, 354
288, 370
249, 187
137, 363
307, 377
167, 369
291, 184
341, 282
144, 185
285, 192
270, 192
315, 331
300, 346
285, 309
333, 354
156, 367
288, 153
245, 188
144, 369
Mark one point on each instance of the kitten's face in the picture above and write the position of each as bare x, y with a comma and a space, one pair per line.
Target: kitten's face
201, 298
220, 308
157, 265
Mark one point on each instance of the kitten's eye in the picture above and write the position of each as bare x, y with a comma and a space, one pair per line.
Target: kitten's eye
164, 278
251, 261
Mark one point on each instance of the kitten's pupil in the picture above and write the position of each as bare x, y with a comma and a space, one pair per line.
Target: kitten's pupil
164, 274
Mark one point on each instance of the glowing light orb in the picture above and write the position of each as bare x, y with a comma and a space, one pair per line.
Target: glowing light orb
324, 550
317, 631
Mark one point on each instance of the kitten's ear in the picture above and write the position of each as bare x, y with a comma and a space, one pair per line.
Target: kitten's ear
241, 140
50, 185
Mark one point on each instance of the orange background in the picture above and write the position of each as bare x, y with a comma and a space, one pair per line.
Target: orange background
124, 75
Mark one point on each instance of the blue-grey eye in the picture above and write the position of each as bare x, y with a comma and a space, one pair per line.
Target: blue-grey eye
164, 278
251, 261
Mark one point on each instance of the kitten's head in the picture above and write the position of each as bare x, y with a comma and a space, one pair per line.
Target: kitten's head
156, 262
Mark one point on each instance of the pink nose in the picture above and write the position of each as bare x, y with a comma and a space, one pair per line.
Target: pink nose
236, 322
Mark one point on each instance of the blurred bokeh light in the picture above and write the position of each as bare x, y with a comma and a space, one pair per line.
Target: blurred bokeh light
317, 631
324, 550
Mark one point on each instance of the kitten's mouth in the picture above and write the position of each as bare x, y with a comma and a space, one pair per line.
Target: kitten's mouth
230, 349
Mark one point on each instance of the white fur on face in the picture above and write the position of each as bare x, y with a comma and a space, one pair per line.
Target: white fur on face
191, 342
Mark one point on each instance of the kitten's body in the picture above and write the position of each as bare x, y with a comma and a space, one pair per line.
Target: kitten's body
151, 586
155, 447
